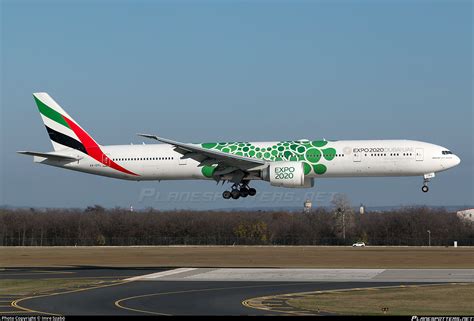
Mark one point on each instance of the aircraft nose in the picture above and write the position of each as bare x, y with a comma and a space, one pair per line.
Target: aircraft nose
456, 160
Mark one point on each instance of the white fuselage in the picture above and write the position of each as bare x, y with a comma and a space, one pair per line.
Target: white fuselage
354, 158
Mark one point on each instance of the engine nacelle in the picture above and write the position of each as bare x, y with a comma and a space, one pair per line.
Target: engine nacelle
287, 174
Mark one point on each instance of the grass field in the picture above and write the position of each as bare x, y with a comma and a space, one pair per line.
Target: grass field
239, 256
445, 299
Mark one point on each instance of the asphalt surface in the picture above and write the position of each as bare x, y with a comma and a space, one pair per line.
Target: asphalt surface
122, 293
76, 272
174, 298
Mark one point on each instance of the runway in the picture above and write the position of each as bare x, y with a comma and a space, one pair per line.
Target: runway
76, 272
202, 291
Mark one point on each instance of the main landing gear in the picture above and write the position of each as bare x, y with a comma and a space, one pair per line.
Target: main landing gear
239, 190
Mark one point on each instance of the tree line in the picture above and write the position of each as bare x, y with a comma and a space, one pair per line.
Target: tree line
339, 226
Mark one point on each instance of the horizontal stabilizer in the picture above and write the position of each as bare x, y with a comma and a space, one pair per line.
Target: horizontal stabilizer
55, 156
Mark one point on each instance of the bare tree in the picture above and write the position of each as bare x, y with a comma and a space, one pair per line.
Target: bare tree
99, 226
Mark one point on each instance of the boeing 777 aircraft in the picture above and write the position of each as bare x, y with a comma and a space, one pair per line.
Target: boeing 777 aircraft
295, 163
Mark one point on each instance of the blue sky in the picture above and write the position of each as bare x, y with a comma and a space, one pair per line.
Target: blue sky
235, 70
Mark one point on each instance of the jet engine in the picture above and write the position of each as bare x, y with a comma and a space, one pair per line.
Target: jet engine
287, 174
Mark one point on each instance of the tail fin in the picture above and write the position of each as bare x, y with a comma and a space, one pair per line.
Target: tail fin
63, 131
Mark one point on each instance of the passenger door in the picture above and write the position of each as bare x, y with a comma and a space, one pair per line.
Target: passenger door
357, 157
106, 159
419, 154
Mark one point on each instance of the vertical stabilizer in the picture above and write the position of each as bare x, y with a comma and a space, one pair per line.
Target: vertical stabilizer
63, 131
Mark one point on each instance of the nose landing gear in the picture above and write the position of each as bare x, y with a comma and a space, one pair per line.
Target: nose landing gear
426, 179
239, 190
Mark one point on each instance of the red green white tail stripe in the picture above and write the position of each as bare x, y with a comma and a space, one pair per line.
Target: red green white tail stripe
65, 133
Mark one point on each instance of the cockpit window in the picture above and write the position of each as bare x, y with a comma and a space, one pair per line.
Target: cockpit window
447, 152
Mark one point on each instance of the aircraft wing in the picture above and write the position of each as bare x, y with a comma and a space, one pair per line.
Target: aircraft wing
209, 157
53, 156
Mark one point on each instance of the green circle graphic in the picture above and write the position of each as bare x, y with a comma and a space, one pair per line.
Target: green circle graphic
319, 169
209, 145
319, 143
313, 155
307, 168
329, 153
207, 171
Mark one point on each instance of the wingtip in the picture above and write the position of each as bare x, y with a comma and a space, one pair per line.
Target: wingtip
147, 136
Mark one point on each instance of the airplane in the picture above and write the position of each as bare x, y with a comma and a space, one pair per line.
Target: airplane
291, 164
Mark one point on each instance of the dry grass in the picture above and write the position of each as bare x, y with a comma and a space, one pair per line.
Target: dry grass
239, 256
425, 300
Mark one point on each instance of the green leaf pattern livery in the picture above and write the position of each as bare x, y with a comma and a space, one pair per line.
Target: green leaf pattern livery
308, 152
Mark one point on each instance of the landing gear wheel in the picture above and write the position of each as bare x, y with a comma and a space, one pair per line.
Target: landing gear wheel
244, 192
252, 191
425, 188
235, 194
239, 190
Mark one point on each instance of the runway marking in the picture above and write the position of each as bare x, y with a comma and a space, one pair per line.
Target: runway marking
161, 274
17, 306
281, 306
119, 303
258, 302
